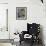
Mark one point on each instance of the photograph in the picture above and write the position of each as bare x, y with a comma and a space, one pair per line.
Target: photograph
21, 13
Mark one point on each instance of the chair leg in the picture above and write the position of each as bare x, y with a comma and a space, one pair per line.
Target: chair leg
20, 42
32, 42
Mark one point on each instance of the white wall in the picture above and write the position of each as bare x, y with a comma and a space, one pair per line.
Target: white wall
3, 1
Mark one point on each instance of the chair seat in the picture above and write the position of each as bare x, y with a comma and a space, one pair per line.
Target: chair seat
27, 36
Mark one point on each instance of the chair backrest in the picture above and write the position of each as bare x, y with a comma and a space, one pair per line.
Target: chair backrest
33, 28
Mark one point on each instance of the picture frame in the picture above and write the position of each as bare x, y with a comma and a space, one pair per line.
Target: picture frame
21, 13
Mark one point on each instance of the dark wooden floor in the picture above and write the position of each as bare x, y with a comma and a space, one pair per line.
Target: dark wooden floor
29, 44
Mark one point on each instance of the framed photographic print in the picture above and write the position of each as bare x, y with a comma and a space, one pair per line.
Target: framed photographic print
21, 13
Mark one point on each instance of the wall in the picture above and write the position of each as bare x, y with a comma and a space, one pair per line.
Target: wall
3, 1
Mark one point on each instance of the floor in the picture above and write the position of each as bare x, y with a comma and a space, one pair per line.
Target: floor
22, 44
5, 44
27, 44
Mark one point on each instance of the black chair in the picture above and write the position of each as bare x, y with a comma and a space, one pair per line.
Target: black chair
32, 29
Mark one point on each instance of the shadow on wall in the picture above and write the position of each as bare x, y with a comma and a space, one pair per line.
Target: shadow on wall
41, 34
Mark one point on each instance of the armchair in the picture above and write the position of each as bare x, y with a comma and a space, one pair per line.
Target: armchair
33, 30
